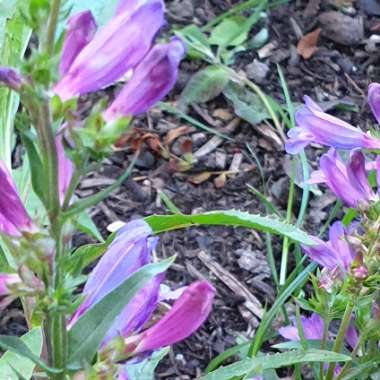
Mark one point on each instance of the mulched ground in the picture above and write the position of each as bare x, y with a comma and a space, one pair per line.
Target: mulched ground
234, 259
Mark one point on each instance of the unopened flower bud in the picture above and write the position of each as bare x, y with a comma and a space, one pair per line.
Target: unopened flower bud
360, 272
11, 78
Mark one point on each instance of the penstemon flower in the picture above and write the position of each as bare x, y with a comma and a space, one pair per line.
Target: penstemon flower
316, 126
312, 326
153, 78
14, 219
336, 253
348, 181
115, 49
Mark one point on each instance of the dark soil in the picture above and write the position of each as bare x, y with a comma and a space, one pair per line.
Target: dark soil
335, 71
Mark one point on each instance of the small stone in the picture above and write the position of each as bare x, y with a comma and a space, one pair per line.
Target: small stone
182, 9
220, 160
371, 7
257, 71
342, 29
146, 160
198, 139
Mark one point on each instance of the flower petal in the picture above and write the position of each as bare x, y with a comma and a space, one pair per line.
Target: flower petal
153, 78
374, 99
81, 28
115, 49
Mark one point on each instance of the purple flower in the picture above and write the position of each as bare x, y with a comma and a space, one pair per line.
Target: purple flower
81, 28
153, 78
6, 280
348, 181
374, 99
129, 251
14, 219
115, 49
314, 125
336, 253
352, 336
137, 312
10, 77
187, 314
312, 329
65, 168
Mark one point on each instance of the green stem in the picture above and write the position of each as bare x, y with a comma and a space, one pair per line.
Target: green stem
326, 325
340, 337
52, 26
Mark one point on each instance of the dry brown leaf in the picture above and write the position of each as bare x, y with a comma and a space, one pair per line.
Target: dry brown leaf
199, 178
220, 180
307, 45
173, 134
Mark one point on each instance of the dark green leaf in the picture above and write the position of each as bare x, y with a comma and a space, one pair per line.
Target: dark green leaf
85, 224
247, 105
89, 331
161, 223
204, 85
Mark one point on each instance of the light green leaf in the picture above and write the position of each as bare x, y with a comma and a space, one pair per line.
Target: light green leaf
17, 346
161, 223
230, 32
273, 361
14, 37
196, 42
89, 331
145, 369
85, 224
11, 362
204, 85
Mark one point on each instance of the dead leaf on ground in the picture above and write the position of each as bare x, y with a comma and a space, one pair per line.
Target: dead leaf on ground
307, 45
173, 134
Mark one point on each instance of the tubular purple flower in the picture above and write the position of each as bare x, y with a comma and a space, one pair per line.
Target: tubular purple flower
336, 253
81, 28
374, 99
65, 168
129, 5
352, 336
7, 279
115, 49
129, 251
153, 78
314, 125
188, 313
10, 78
312, 329
348, 182
14, 218
137, 312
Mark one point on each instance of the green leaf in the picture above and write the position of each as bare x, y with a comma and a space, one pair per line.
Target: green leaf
230, 32
89, 331
234, 30
247, 105
14, 37
85, 224
204, 85
162, 223
16, 345
273, 361
145, 369
11, 362
196, 43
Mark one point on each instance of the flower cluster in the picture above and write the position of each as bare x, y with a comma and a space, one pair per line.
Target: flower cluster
350, 256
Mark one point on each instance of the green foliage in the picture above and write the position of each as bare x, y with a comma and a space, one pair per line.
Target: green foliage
228, 218
255, 366
23, 348
12, 365
145, 369
204, 85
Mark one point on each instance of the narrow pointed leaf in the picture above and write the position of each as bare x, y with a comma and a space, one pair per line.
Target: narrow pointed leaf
161, 223
274, 361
